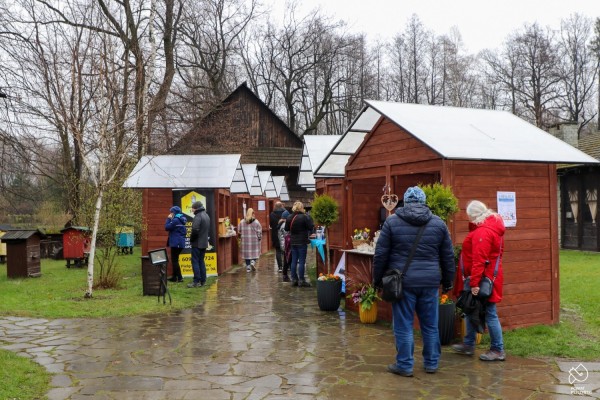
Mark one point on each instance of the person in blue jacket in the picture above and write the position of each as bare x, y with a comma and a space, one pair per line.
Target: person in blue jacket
175, 225
432, 265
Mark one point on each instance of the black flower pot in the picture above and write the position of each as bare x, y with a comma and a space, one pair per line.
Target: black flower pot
446, 323
328, 294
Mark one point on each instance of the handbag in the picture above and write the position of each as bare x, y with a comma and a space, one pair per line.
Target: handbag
486, 285
393, 277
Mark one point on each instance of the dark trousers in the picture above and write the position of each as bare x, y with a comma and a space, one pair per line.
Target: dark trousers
198, 265
175, 252
279, 257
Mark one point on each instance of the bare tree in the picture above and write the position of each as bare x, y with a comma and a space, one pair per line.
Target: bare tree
595, 47
578, 68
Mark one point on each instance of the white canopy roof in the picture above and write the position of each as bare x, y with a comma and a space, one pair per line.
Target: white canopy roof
334, 164
477, 134
267, 185
455, 133
316, 148
281, 188
252, 179
215, 171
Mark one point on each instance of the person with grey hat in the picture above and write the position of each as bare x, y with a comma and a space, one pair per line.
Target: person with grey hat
199, 243
432, 264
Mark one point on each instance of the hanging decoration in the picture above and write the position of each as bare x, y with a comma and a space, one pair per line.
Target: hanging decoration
389, 200
591, 199
574, 200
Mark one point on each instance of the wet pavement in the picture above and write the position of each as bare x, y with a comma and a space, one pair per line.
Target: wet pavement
258, 338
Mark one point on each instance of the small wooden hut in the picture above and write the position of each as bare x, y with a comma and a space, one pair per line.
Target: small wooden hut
23, 253
492, 156
182, 180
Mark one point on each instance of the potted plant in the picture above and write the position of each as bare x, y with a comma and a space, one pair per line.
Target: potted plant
365, 295
440, 200
329, 287
325, 212
446, 319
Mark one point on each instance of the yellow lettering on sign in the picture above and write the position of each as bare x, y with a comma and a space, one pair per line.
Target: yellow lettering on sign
210, 260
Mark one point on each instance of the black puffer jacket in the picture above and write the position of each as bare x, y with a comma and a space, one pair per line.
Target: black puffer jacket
433, 262
300, 228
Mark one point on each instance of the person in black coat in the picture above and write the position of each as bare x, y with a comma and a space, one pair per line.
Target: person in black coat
300, 226
432, 265
275, 221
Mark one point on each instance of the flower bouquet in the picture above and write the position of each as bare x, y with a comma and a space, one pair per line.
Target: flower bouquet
328, 277
360, 236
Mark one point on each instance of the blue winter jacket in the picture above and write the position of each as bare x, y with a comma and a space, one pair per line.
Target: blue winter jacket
433, 262
176, 228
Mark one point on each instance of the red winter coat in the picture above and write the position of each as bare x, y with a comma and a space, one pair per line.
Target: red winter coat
483, 244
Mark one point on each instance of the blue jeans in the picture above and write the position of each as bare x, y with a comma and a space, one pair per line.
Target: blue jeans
494, 328
298, 261
198, 265
425, 302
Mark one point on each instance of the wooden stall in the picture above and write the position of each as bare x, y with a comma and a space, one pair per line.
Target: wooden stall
211, 179
23, 253
482, 155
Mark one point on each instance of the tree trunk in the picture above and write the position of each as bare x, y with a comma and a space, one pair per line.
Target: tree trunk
90, 272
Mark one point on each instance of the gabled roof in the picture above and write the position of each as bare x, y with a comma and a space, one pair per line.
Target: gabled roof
281, 188
188, 171
316, 148
252, 179
590, 145
455, 133
477, 134
273, 156
15, 235
266, 184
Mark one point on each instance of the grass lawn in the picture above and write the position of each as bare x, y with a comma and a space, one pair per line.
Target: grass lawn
58, 293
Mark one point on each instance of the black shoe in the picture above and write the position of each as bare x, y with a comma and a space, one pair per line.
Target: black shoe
194, 285
294, 283
304, 284
179, 280
393, 368
172, 279
431, 370
286, 278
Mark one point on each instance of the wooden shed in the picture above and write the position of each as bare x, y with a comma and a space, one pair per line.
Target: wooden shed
23, 253
182, 180
492, 156
243, 124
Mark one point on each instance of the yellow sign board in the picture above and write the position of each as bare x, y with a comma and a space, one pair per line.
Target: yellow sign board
185, 263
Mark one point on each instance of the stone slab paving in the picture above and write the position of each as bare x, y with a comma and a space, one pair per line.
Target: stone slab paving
256, 337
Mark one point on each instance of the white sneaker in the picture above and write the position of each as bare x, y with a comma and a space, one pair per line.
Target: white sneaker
248, 268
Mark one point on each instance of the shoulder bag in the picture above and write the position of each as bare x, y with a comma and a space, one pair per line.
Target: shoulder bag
392, 279
486, 285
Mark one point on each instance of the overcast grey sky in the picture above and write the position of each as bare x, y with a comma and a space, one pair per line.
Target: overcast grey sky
482, 23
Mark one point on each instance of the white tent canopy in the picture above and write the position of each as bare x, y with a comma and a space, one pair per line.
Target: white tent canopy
218, 171
281, 188
316, 148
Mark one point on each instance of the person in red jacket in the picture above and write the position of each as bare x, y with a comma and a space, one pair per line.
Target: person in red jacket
482, 256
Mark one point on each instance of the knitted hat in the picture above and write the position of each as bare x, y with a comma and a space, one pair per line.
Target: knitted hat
414, 195
175, 210
197, 205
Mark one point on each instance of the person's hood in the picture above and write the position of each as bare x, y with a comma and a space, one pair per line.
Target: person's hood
278, 212
415, 213
495, 223
175, 210
198, 210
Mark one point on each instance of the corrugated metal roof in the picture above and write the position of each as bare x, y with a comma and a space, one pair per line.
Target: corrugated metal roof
215, 171
316, 148
477, 134
20, 235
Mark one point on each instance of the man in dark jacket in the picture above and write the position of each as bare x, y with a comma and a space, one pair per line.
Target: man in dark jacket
432, 265
275, 221
199, 243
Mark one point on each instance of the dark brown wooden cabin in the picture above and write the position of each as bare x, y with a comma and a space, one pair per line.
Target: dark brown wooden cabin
23, 253
407, 146
244, 124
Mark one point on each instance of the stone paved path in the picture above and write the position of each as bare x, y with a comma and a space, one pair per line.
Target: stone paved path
258, 338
